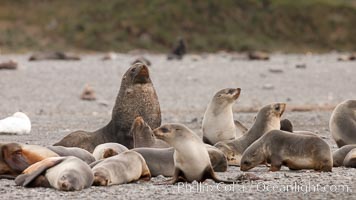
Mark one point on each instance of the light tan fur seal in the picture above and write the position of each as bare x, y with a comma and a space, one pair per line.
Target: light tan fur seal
343, 123
340, 154
218, 121
126, 167
107, 150
350, 159
268, 118
296, 151
62, 173
191, 158
137, 97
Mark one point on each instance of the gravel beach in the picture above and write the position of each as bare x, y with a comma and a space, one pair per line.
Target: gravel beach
49, 92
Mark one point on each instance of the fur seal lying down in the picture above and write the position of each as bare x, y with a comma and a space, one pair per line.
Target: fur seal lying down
58, 55
107, 150
137, 97
126, 167
296, 151
340, 154
343, 123
62, 173
18, 123
268, 118
82, 154
218, 121
191, 158
16, 157
350, 159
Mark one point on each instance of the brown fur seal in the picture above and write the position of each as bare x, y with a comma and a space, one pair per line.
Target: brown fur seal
350, 159
107, 150
16, 157
126, 167
268, 118
82, 154
143, 135
343, 123
296, 151
178, 50
62, 173
258, 55
53, 56
340, 154
137, 97
218, 121
10, 65
191, 158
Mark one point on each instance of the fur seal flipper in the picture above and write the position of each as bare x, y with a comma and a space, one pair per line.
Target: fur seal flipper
137, 97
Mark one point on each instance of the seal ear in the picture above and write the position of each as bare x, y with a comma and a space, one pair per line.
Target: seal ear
35, 170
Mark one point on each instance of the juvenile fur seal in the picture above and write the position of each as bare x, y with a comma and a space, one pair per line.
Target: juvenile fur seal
191, 158
82, 154
343, 123
218, 121
350, 159
137, 97
18, 123
62, 173
126, 167
16, 157
340, 154
107, 150
296, 151
268, 118
143, 135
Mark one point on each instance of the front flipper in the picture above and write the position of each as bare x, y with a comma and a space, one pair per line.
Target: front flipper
178, 176
241, 127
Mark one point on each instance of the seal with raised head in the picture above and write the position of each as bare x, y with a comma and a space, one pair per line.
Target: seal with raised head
340, 154
62, 173
342, 123
137, 97
82, 154
107, 150
126, 167
268, 118
218, 121
16, 157
296, 151
191, 157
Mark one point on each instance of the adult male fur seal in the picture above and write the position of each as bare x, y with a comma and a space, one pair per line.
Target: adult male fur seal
296, 151
137, 97
62, 173
343, 123
218, 122
191, 158
268, 118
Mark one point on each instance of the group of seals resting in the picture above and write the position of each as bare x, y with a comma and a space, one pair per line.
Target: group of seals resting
137, 97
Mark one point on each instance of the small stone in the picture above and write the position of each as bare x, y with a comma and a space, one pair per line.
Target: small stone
275, 70
268, 87
301, 66
88, 94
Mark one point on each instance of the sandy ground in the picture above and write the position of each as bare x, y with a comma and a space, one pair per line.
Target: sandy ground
48, 91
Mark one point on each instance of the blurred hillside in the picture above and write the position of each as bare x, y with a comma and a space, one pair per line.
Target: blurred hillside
209, 25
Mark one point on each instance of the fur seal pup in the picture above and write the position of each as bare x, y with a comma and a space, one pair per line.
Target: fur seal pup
107, 150
82, 154
191, 158
340, 154
62, 173
143, 135
350, 159
342, 123
296, 151
137, 97
18, 123
126, 167
58, 55
218, 121
178, 50
268, 118
16, 157
286, 125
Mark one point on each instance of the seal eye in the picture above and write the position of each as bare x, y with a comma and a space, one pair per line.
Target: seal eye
133, 69
277, 107
231, 91
246, 163
164, 130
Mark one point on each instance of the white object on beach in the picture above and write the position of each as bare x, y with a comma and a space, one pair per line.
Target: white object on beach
17, 124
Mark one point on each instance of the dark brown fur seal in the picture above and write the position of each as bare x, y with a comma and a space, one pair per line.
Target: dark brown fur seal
58, 55
286, 125
268, 118
137, 97
296, 151
178, 51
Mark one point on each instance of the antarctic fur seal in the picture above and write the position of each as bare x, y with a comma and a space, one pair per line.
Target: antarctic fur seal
107, 150
340, 154
296, 151
268, 118
137, 97
350, 159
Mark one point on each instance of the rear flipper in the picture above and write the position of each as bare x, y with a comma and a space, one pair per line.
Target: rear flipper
210, 174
